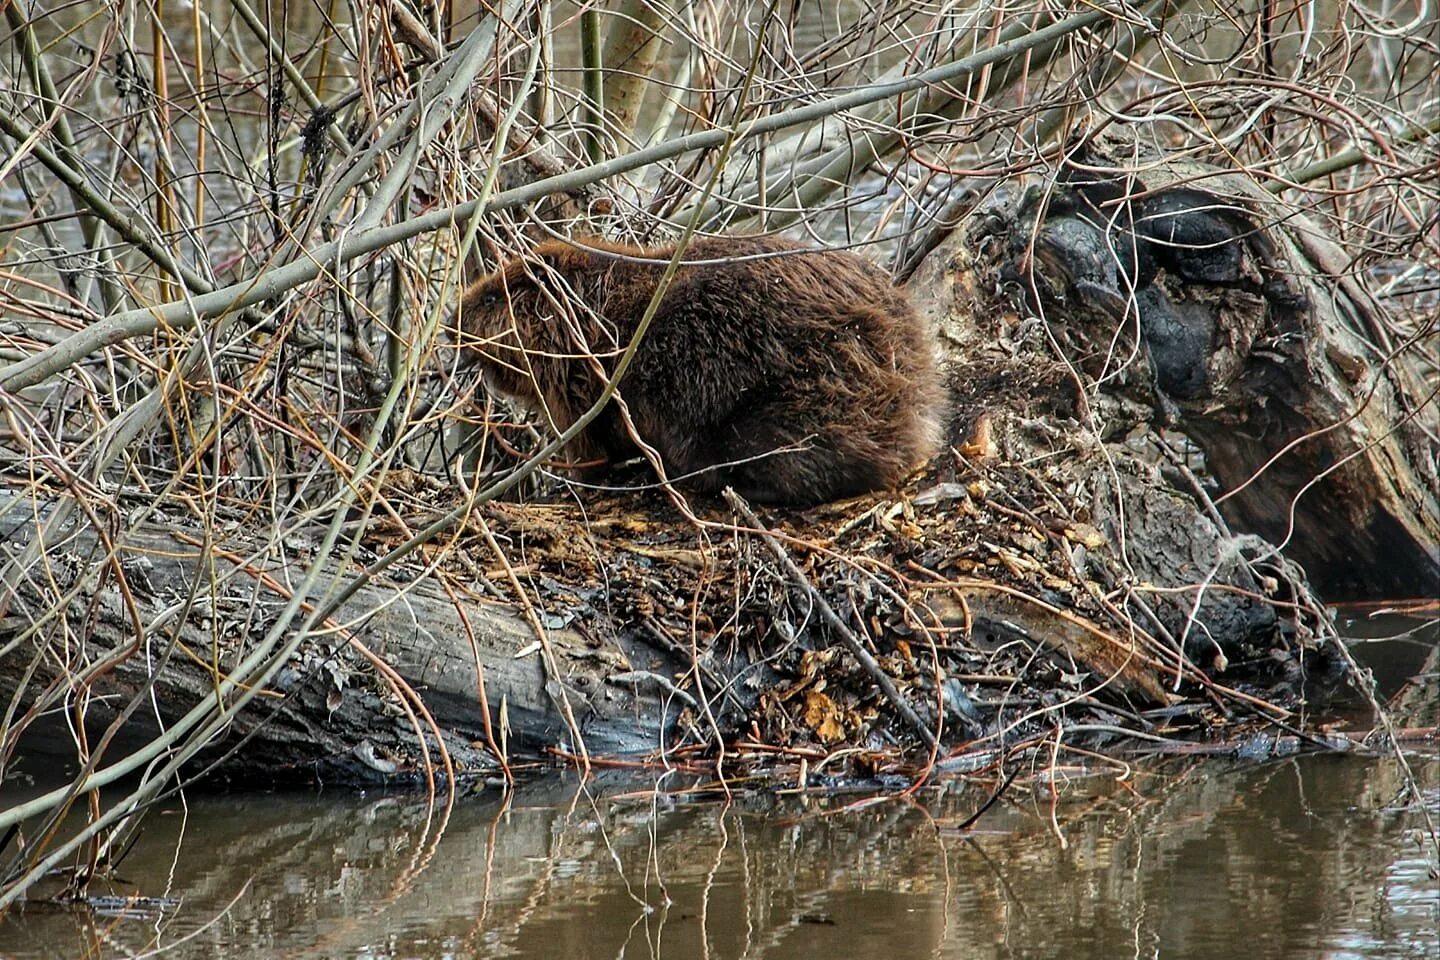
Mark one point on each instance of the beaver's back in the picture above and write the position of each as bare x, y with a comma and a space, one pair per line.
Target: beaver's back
792, 374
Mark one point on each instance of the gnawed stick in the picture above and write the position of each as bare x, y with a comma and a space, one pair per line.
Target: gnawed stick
832, 619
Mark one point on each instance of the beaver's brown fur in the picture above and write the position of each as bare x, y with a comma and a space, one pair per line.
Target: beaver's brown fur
795, 376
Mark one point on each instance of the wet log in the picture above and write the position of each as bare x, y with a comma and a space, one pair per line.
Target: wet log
1232, 316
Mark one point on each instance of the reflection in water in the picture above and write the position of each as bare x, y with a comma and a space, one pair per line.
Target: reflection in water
1293, 859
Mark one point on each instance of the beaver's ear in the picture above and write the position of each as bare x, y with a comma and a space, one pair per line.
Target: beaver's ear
552, 257
469, 301
543, 263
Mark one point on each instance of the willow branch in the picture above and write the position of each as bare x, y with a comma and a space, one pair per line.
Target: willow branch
1352, 157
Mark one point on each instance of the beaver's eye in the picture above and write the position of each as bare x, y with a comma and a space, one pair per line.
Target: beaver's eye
490, 299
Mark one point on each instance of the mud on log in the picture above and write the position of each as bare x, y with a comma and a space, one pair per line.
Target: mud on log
1233, 316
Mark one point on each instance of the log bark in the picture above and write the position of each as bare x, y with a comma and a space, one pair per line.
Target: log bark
328, 715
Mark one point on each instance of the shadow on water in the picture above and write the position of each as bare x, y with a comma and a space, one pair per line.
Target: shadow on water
1310, 856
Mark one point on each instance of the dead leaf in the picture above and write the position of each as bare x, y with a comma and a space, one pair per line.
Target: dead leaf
823, 716
1085, 535
981, 444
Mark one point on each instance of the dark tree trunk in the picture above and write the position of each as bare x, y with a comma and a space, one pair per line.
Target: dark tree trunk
1236, 320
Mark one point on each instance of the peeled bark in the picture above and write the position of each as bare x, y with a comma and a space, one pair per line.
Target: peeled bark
632, 51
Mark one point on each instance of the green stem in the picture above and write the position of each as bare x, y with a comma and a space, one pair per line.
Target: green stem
592, 59
1351, 157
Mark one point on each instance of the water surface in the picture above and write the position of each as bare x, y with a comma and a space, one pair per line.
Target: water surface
1308, 857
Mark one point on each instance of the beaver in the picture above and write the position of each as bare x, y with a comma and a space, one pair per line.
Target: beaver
791, 374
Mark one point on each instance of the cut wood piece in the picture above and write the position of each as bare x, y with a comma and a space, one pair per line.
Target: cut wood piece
996, 615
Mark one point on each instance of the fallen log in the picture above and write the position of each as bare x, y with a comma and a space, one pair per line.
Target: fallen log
329, 715
1063, 550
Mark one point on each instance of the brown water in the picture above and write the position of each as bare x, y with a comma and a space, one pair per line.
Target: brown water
1296, 859
1306, 857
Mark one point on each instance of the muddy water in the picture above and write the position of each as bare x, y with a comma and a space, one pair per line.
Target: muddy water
1293, 859
1304, 857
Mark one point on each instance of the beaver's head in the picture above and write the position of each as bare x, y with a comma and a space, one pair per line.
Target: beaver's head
500, 321
519, 324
